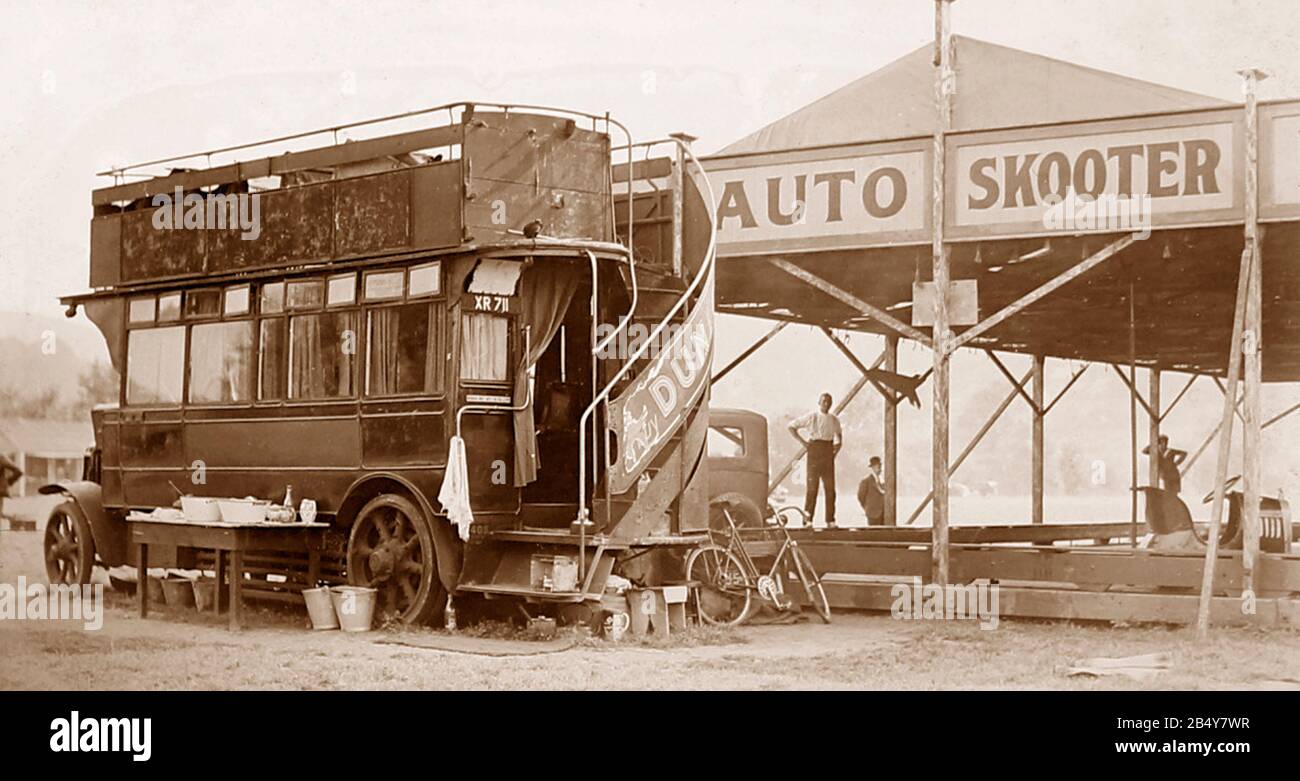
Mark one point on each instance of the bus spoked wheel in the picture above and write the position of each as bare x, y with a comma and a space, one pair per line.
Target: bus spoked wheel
391, 550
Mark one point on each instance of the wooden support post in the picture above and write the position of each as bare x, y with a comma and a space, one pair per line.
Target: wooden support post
943, 87
1249, 257
679, 195
1153, 420
1252, 347
890, 436
1132, 411
1036, 459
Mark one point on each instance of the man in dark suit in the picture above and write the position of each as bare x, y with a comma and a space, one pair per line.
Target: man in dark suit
871, 495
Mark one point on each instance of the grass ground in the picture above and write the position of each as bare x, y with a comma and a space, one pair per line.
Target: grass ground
183, 650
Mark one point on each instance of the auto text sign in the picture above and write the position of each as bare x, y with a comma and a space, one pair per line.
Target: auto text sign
1166, 170
770, 205
647, 412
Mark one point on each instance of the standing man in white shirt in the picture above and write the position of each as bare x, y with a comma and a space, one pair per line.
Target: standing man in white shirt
823, 443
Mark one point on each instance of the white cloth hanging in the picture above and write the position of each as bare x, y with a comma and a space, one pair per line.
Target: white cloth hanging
454, 494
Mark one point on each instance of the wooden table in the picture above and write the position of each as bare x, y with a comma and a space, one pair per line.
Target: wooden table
228, 540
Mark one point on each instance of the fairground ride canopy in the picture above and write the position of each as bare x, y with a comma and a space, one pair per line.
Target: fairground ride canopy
1048, 164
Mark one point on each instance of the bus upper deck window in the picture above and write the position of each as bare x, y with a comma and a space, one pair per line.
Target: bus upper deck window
237, 300
169, 306
142, 310
383, 285
342, 290
203, 303
484, 346
272, 298
426, 280
306, 294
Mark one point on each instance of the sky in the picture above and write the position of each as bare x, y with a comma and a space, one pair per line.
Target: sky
90, 85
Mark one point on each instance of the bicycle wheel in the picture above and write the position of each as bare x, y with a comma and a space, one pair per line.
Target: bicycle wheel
722, 596
812, 584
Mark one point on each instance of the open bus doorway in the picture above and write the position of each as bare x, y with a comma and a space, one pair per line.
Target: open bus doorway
562, 389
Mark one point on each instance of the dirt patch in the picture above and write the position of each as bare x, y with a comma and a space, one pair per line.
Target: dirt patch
182, 649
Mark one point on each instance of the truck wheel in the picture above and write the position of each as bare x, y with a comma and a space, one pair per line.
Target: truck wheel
391, 549
69, 546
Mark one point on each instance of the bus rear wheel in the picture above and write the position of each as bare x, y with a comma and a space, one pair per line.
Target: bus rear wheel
391, 550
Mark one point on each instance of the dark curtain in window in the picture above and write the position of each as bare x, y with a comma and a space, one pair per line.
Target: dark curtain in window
545, 290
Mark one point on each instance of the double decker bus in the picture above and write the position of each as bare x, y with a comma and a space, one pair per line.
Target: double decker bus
335, 322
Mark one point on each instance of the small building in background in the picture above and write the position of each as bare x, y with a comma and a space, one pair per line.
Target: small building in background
46, 450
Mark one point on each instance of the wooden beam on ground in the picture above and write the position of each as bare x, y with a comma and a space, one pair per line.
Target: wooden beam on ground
748, 351
982, 534
890, 436
975, 440
1047, 288
1075, 605
1036, 445
880, 315
1084, 566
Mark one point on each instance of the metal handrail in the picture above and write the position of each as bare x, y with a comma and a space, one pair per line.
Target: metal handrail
706, 272
449, 107
487, 409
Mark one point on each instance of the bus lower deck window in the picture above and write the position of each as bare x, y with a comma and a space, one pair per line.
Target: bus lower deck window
322, 349
221, 362
484, 347
272, 353
155, 365
398, 345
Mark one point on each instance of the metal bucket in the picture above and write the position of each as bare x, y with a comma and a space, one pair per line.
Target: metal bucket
355, 607
179, 592
156, 593
205, 593
320, 607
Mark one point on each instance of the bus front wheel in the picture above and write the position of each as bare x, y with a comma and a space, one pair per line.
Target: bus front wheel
391, 549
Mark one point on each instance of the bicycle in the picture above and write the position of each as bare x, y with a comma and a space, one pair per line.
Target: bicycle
728, 577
